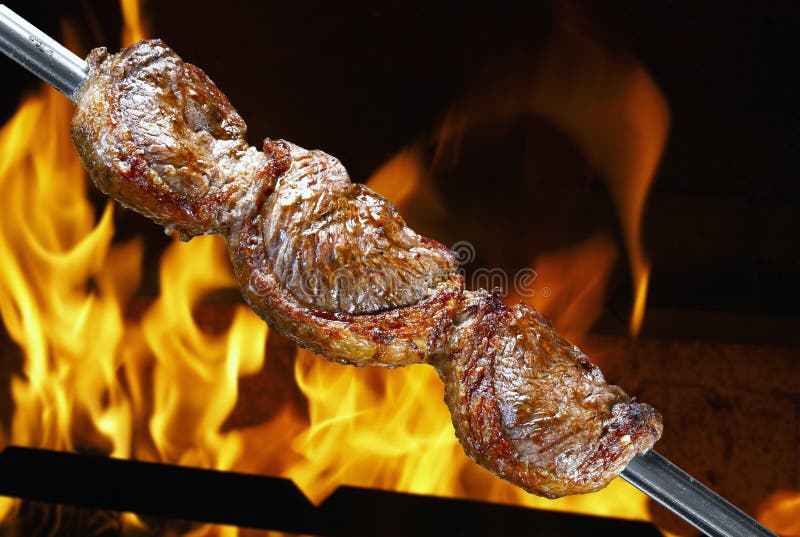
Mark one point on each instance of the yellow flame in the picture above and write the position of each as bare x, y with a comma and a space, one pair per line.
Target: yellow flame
63, 290
196, 374
399, 177
569, 285
133, 29
641, 275
62, 287
390, 429
60, 291
158, 389
162, 387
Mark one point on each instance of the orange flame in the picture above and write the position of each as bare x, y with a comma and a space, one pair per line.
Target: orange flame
62, 288
399, 177
389, 429
133, 25
571, 285
781, 513
158, 389
196, 374
606, 103
162, 387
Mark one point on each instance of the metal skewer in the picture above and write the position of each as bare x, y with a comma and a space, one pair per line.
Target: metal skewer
650, 472
689, 499
40, 54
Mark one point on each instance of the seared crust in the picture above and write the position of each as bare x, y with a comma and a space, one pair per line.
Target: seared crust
394, 337
333, 266
157, 135
307, 261
531, 408
339, 247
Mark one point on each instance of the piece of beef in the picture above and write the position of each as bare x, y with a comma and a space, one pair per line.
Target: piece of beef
333, 266
531, 408
158, 136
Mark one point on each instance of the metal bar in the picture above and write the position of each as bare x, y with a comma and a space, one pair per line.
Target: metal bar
173, 492
40, 54
689, 499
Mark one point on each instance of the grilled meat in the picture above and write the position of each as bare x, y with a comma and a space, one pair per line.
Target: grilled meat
327, 262
530, 407
158, 136
332, 265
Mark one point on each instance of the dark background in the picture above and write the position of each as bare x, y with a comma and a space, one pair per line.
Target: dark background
364, 80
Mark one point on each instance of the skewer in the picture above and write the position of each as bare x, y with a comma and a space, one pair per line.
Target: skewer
40, 54
650, 472
689, 499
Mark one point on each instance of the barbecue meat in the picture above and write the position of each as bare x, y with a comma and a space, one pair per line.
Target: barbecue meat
329, 263
531, 408
332, 265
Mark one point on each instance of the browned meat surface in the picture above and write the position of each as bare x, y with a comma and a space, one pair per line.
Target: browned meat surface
338, 246
531, 408
333, 266
158, 136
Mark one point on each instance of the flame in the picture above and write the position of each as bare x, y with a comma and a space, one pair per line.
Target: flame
399, 177
133, 25
373, 428
62, 285
389, 429
158, 388
781, 513
196, 374
61, 290
570, 285
155, 389
161, 387
606, 103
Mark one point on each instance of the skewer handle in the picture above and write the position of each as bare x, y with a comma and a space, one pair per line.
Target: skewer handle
689, 499
40, 54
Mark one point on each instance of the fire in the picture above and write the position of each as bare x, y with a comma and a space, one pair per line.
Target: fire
158, 388
399, 178
389, 429
196, 374
133, 29
606, 103
62, 287
571, 285
92, 380
161, 386
781, 513
374, 428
